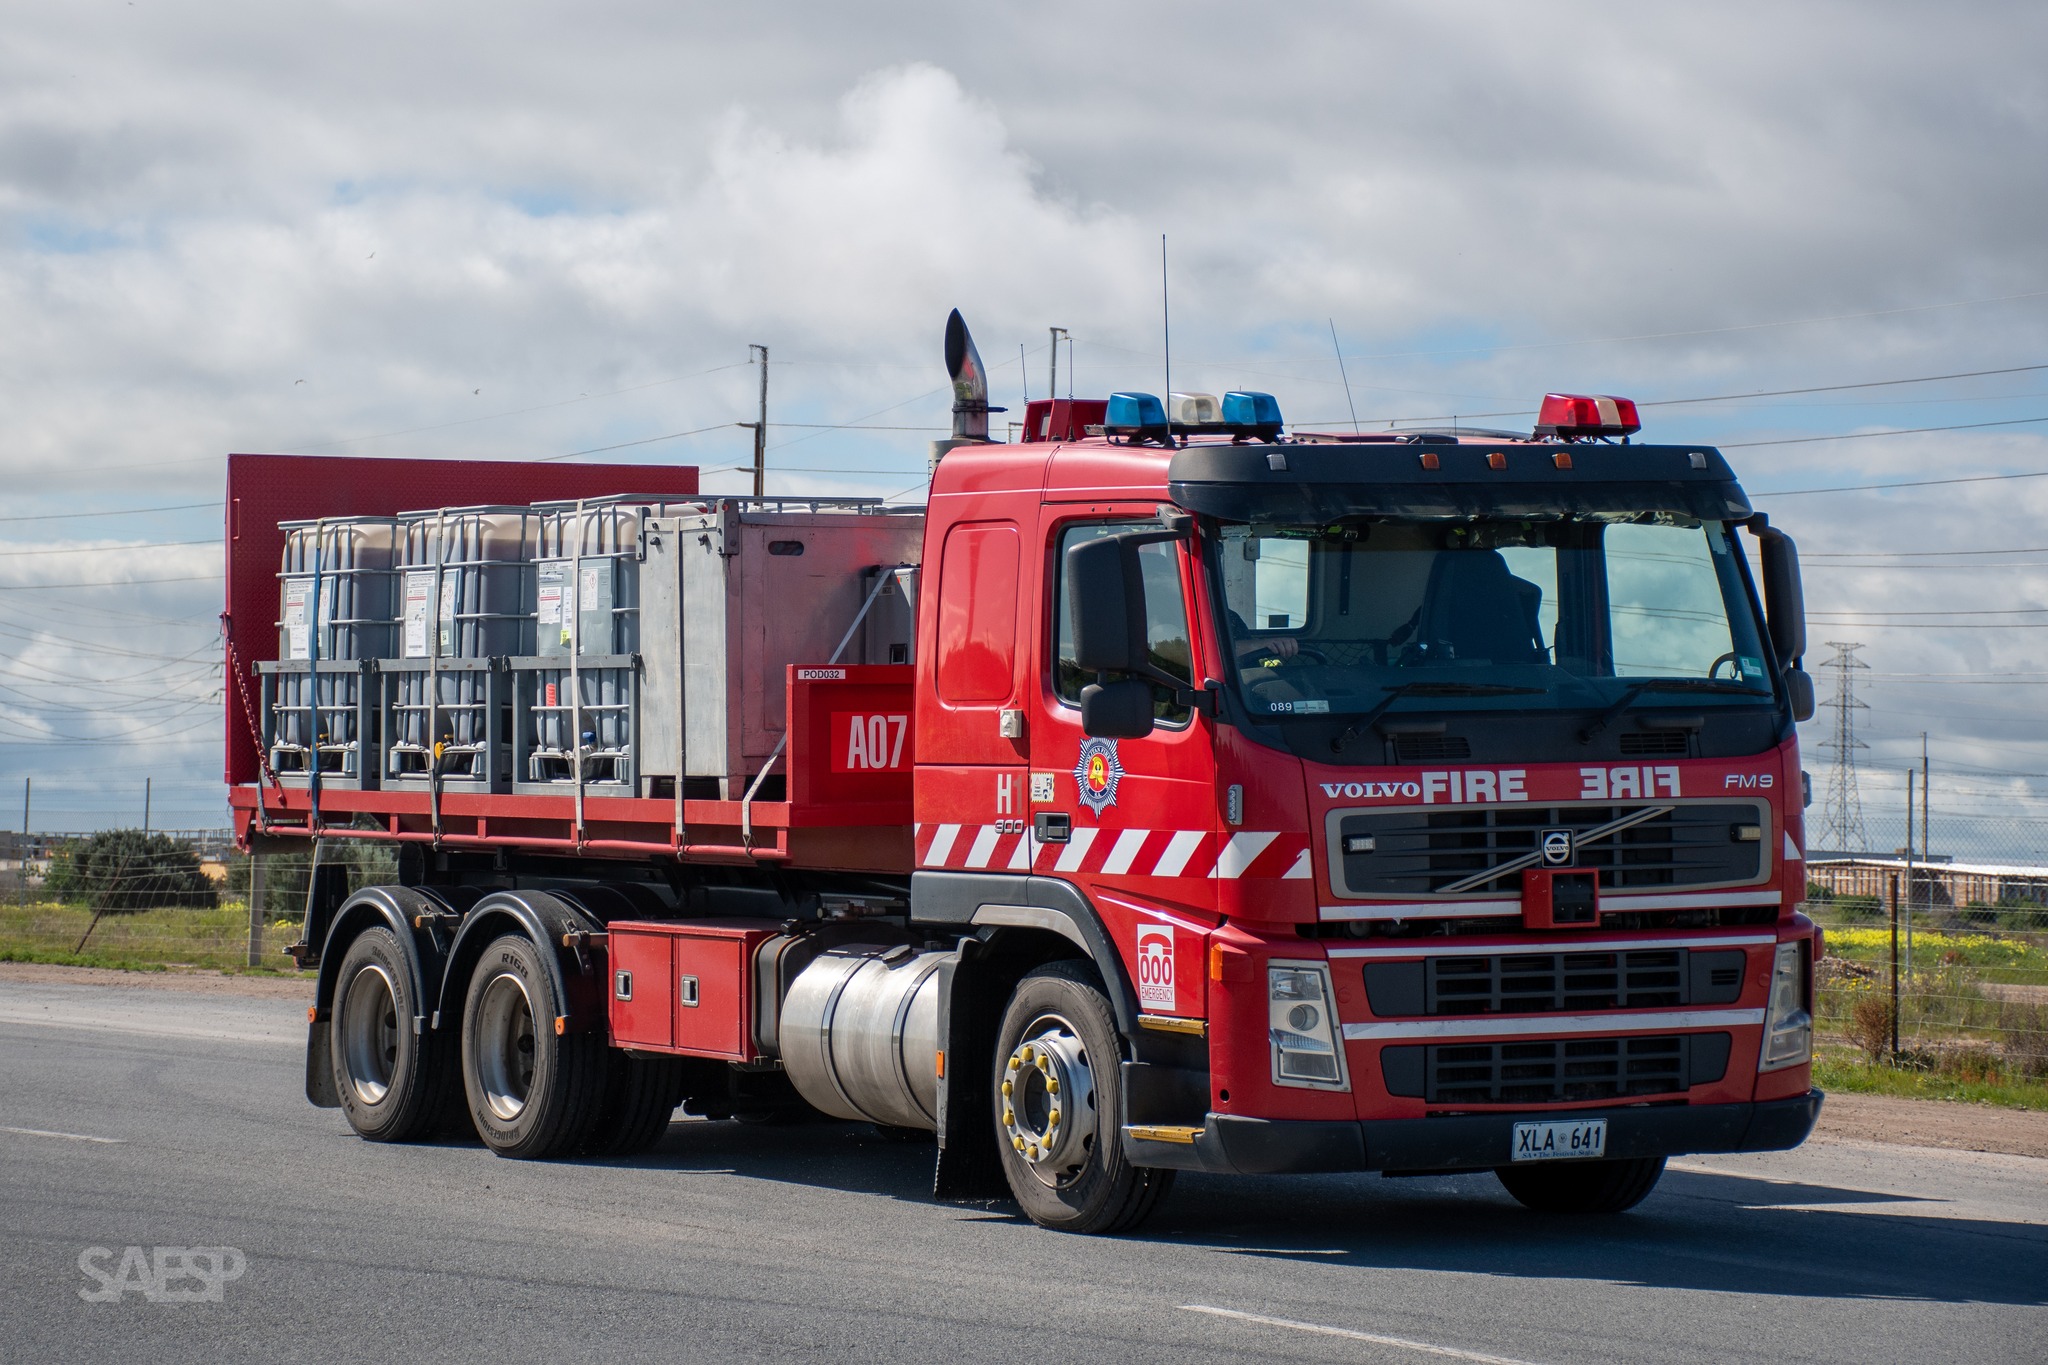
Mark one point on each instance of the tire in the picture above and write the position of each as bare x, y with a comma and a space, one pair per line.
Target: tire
640, 1097
1057, 1103
1583, 1186
533, 1093
395, 1084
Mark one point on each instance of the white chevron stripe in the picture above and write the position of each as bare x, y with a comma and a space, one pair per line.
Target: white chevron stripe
1076, 852
1299, 872
1020, 857
1792, 853
984, 847
1240, 853
1126, 851
1178, 850
942, 844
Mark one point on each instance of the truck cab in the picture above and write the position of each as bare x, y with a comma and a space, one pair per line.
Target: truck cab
1437, 793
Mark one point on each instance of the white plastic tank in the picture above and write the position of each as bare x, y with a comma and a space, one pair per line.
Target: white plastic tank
466, 595
336, 605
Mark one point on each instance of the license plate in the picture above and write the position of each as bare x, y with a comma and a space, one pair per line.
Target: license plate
1550, 1141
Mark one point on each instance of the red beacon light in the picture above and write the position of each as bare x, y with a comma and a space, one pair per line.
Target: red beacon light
1578, 416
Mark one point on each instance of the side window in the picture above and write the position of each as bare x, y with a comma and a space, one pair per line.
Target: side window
1166, 619
978, 615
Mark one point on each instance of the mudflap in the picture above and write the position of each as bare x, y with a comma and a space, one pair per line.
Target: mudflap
969, 1167
320, 1063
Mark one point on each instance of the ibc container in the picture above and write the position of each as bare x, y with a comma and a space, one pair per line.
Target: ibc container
337, 609
587, 604
466, 576
596, 543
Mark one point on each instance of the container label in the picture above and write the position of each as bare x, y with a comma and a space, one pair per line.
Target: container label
419, 594
552, 634
1155, 967
297, 592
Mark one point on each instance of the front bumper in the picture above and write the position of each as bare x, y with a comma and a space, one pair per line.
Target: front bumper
1232, 1145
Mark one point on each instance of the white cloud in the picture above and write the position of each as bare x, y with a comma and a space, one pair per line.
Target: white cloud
435, 214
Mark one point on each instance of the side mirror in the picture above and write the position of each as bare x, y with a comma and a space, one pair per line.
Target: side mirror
1117, 710
1784, 596
1101, 588
1799, 691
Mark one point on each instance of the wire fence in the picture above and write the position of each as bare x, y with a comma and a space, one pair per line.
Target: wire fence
119, 898
1938, 963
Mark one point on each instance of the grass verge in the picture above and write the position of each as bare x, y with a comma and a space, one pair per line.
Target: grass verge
1851, 1074
154, 940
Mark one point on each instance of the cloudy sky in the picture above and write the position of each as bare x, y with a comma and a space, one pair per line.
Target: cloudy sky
526, 230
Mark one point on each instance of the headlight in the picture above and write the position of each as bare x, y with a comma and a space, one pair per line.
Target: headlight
1788, 1026
1300, 1027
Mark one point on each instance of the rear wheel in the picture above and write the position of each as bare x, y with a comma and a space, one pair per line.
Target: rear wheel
396, 1084
640, 1097
532, 1092
1057, 1100
1583, 1186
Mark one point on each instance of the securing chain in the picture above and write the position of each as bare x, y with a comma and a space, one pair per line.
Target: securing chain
227, 630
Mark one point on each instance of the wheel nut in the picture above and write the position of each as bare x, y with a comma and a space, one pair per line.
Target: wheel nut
1013, 1064
1018, 1143
1009, 1119
1006, 1090
1052, 1120
1052, 1085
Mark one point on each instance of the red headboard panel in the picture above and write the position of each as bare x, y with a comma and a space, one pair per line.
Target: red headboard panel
264, 490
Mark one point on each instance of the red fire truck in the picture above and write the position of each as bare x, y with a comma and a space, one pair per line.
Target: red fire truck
1170, 791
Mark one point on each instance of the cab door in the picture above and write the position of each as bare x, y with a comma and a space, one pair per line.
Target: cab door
1133, 823
970, 723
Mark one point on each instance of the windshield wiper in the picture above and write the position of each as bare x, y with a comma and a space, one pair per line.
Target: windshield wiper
1626, 699
1425, 689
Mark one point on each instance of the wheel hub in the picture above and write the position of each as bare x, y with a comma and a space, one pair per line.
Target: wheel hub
1048, 1094
369, 1033
505, 1045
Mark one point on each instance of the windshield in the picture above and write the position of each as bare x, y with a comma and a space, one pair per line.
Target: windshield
1371, 615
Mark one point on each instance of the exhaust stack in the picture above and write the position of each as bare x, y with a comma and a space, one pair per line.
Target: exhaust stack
970, 382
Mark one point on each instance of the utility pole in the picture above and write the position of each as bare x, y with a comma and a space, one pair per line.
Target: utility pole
1842, 815
1894, 879
145, 803
761, 428
27, 785
1909, 873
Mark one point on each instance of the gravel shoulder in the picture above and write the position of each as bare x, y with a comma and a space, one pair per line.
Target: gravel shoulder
189, 982
1856, 1118
1933, 1123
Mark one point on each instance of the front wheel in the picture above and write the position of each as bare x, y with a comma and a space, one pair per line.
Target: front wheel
532, 1092
1583, 1186
1056, 1105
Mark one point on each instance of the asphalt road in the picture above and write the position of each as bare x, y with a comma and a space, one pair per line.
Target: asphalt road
161, 1119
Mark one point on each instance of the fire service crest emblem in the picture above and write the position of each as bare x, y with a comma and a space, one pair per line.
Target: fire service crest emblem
1097, 774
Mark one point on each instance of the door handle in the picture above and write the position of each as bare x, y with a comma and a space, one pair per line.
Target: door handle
1052, 826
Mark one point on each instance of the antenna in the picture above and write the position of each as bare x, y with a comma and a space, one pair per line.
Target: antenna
1025, 373
1166, 335
1347, 378
1842, 814
1052, 376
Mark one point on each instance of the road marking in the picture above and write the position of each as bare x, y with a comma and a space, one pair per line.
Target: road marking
1426, 1347
69, 1137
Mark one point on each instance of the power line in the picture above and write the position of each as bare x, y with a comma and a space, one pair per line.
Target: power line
106, 549
1907, 483
112, 583
1920, 554
1866, 435
125, 512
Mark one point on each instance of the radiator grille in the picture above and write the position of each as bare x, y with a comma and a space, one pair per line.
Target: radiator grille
1418, 851
1555, 982
1656, 743
1556, 1071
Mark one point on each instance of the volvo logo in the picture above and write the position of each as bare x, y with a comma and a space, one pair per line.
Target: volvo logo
1557, 847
